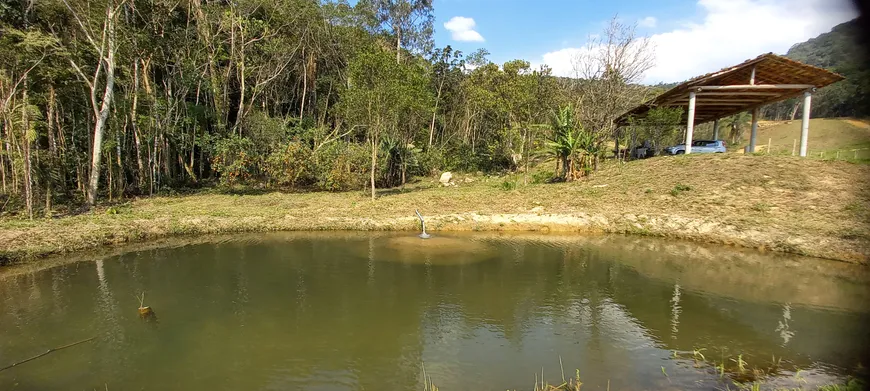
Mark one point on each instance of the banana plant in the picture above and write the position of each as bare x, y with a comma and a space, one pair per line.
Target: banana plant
569, 143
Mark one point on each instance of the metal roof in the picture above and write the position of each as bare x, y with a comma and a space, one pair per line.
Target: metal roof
733, 90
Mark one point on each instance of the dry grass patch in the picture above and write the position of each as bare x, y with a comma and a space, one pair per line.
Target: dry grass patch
782, 203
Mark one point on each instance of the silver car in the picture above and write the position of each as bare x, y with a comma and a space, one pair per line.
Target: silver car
699, 146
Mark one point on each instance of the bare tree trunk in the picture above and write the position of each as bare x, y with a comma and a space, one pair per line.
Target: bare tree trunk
109, 175
434, 113
167, 168
304, 84
118, 159
52, 141
48, 201
404, 170
432, 125
398, 45
242, 87
108, 91
374, 141
152, 166
187, 168
3, 172
795, 109
3, 161
28, 164
140, 175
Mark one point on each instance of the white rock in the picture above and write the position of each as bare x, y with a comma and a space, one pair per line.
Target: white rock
446, 178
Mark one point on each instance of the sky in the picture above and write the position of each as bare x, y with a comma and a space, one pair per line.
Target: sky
689, 37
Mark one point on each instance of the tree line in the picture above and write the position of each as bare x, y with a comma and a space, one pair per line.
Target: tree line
103, 100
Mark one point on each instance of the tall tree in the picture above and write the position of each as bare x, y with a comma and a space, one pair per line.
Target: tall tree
447, 65
102, 40
409, 21
384, 96
609, 71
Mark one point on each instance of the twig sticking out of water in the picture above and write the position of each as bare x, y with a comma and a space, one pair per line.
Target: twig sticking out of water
47, 352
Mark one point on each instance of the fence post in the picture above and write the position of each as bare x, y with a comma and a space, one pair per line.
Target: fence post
838, 154
856, 154
793, 147
768, 145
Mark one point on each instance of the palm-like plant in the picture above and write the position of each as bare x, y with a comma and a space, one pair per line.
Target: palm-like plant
568, 143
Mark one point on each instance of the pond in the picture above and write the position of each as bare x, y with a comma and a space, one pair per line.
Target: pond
369, 311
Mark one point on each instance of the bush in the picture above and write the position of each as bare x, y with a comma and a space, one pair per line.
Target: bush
508, 185
234, 160
679, 188
430, 162
290, 165
265, 133
341, 166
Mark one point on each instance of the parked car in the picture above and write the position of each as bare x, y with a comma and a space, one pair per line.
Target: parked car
699, 146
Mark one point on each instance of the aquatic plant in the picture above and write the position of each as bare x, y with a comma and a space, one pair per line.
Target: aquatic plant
428, 385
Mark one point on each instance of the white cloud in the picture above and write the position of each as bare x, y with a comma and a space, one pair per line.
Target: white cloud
649, 22
730, 32
462, 29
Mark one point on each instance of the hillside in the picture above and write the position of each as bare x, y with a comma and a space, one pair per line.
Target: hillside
841, 51
803, 206
827, 135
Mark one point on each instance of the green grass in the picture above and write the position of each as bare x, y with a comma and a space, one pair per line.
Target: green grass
827, 137
679, 188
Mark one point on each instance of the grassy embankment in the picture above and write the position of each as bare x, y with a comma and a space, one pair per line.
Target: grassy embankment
829, 138
803, 206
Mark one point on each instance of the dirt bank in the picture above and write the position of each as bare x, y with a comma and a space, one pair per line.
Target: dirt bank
810, 207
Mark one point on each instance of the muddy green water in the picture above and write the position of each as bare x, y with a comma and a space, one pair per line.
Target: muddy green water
358, 311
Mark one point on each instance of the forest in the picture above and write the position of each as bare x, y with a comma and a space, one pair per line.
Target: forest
111, 99
840, 50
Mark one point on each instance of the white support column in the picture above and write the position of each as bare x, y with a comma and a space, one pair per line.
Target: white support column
754, 135
805, 122
690, 123
715, 129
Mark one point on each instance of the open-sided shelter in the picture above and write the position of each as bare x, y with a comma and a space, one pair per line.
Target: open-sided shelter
747, 86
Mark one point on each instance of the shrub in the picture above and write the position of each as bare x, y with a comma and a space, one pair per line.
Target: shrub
341, 166
430, 162
234, 161
679, 188
290, 165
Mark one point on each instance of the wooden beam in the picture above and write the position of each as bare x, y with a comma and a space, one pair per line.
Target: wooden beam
757, 87
712, 101
741, 93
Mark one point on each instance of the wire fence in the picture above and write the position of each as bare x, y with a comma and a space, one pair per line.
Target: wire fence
793, 149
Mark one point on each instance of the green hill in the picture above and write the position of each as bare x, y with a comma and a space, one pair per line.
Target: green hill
841, 51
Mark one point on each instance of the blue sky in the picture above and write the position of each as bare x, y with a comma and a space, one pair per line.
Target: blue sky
689, 37
521, 28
